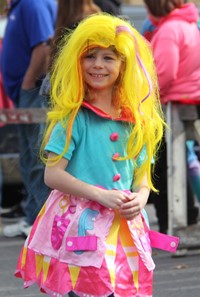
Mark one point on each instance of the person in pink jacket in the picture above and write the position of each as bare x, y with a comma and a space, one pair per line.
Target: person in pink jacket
176, 47
175, 38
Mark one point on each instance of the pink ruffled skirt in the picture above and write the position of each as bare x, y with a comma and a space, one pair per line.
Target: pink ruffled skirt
77, 245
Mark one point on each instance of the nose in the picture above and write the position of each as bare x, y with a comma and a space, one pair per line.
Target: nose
98, 63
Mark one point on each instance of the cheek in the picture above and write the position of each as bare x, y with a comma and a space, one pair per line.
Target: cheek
84, 65
116, 70
84, 71
83, 68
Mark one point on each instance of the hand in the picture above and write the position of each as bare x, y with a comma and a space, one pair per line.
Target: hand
113, 199
132, 206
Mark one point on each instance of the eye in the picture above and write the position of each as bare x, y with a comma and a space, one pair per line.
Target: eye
109, 58
89, 56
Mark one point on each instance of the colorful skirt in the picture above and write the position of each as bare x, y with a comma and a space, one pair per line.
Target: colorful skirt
78, 245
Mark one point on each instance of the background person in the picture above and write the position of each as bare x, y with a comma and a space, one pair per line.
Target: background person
193, 168
70, 13
173, 31
30, 25
110, 6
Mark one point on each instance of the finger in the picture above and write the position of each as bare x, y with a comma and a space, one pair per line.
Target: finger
126, 212
129, 217
125, 197
129, 204
133, 211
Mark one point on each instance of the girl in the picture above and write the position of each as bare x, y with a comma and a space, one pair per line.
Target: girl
103, 130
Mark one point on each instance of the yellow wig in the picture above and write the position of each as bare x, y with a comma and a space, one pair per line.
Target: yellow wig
137, 90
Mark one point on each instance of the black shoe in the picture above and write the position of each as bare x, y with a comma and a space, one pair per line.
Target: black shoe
14, 215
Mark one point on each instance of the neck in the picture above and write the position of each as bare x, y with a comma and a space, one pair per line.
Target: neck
103, 97
103, 100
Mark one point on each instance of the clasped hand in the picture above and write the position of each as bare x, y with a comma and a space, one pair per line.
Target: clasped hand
128, 205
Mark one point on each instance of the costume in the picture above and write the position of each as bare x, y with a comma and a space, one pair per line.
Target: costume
79, 245
177, 37
30, 22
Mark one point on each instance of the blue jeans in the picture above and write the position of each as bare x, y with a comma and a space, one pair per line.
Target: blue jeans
193, 165
1, 185
31, 167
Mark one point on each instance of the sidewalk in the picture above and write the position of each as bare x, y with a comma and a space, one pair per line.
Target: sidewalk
173, 276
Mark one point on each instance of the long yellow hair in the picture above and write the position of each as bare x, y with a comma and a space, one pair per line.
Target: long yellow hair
137, 89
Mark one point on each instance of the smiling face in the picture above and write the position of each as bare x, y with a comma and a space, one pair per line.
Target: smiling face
101, 68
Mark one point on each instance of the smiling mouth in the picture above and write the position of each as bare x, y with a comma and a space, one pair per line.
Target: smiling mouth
98, 75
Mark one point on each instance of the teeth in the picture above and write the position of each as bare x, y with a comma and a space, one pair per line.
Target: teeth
98, 75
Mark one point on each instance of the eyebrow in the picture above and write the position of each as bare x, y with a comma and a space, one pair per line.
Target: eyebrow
107, 51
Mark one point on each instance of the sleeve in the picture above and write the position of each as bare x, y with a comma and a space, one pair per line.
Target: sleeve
39, 21
57, 140
166, 55
147, 29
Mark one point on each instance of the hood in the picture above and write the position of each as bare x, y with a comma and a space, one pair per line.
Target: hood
187, 12
117, 2
11, 4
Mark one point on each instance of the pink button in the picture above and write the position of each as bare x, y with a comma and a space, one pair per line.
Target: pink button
114, 136
115, 156
116, 177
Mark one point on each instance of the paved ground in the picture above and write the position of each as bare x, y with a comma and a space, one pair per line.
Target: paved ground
173, 277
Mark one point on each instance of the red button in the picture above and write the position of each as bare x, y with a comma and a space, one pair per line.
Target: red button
115, 156
116, 177
114, 136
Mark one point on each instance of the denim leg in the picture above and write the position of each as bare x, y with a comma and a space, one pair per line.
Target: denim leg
193, 167
31, 167
1, 185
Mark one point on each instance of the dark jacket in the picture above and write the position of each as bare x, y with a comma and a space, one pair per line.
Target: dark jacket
111, 6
